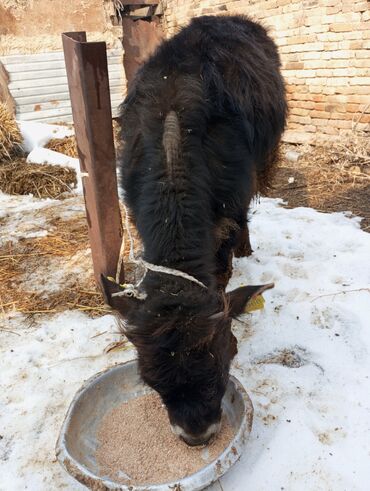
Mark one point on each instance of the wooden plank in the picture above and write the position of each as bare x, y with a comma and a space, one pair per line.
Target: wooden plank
57, 104
30, 116
51, 73
139, 41
46, 82
49, 56
44, 106
55, 83
38, 83
88, 83
28, 96
113, 63
140, 12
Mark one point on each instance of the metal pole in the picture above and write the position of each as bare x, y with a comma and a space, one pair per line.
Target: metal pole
87, 74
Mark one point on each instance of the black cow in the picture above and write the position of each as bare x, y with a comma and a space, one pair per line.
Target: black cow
200, 129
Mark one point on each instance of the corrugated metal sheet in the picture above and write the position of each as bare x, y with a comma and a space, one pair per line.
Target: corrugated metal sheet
38, 83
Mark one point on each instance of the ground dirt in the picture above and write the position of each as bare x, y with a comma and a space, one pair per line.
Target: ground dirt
327, 179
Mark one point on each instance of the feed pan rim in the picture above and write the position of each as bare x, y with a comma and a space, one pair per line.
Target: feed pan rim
194, 482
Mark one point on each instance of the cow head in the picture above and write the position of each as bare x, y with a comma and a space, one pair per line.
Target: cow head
182, 333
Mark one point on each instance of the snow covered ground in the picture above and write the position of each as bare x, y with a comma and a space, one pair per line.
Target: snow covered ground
304, 359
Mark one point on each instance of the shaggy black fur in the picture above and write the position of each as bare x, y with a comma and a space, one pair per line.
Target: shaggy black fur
221, 77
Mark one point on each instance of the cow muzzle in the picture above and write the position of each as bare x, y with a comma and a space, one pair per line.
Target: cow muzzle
195, 440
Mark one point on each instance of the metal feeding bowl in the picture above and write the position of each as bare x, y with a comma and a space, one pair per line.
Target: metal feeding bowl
77, 443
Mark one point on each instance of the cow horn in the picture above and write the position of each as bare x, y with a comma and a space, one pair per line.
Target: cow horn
171, 141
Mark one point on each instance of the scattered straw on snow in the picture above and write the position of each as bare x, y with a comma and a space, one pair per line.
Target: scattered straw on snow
304, 360
45, 258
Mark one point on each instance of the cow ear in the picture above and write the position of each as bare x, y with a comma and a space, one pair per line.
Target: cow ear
120, 297
239, 298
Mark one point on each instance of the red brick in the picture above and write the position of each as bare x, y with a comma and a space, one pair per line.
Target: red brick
300, 119
331, 108
341, 27
315, 89
353, 90
355, 45
318, 98
310, 128
320, 114
344, 116
299, 111
359, 6
361, 63
328, 3
348, 17
352, 108
310, 55
341, 124
337, 63
290, 88
320, 81
329, 130
293, 66
359, 99
333, 10
320, 122
328, 90
330, 36
363, 127
304, 104
360, 81
365, 118
342, 99
323, 72
352, 35
308, 38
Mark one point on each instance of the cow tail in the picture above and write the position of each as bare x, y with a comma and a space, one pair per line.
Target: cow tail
171, 142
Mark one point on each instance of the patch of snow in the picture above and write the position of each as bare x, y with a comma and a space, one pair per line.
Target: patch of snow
56, 273
41, 370
24, 217
21, 217
311, 425
38, 134
41, 155
304, 360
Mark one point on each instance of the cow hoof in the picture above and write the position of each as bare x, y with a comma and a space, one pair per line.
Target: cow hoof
243, 251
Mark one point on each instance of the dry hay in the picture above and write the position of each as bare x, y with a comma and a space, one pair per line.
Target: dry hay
30, 255
10, 136
333, 177
41, 180
66, 145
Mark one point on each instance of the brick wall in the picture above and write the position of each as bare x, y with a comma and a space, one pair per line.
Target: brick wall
325, 53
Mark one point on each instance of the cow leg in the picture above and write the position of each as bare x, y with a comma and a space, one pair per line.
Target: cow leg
224, 263
233, 346
243, 247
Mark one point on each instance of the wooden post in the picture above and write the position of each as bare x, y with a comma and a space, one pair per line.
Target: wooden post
88, 83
